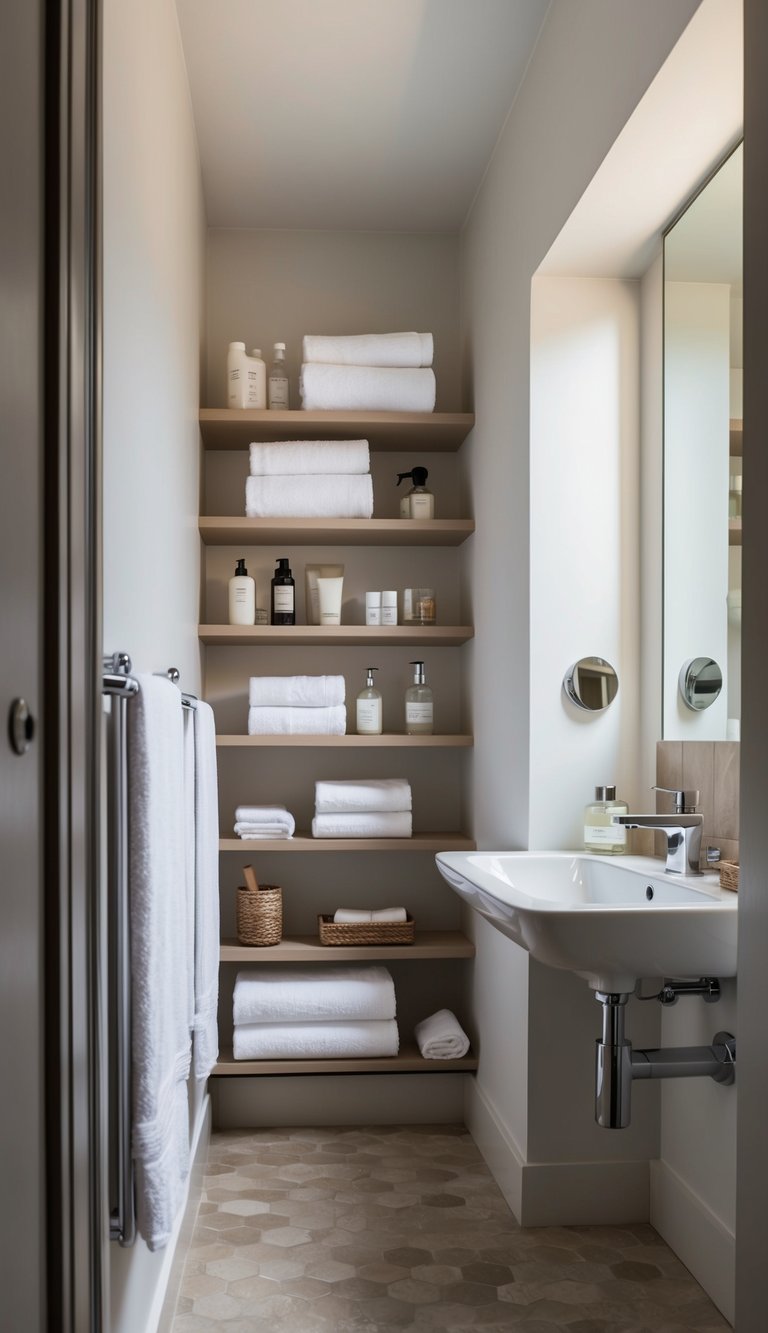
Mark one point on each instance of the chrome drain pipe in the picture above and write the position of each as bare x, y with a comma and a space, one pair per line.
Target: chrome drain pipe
617, 1064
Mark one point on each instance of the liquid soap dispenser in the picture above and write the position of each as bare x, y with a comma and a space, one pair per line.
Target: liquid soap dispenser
242, 596
419, 502
368, 707
419, 708
283, 609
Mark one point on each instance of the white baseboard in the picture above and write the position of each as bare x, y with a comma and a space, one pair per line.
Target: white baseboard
544, 1194
696, 1234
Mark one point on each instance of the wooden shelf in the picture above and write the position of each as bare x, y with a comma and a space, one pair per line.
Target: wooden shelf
384, 742
409, 1061
308, 949
734, 532
232, 428
304, 842
304, 636
736, 437
335, 531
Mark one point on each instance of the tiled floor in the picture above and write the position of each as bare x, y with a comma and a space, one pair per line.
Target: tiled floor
333, 1230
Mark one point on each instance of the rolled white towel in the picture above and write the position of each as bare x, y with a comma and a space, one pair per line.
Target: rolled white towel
376, 824
297, 721
296, 691
317, 1041
366, 389
354, 916
441, 1037
310, 496
290, 458
389, 914
357, 795
369, 349
313, 993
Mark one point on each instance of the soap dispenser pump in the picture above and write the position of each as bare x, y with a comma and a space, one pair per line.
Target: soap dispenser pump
368, 707
419, 707
283, 606
242, 596
419, 502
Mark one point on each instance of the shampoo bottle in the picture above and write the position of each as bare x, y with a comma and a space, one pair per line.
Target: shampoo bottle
368, 707
283, 602
277, 386
245, 378
257, 378
242, 597
419, 502
601, 835
419, 713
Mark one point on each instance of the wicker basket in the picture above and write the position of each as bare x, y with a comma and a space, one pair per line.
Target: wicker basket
366, 932
260, 915
729, 875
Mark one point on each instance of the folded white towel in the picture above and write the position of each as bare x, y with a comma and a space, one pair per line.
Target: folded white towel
441, 1037
268, 832
366, 389
349, 916
369, 349
297, 721
361, 795
376, 824
310, 496
262, 814
312, 994
296, 691
317, 1041
291, 458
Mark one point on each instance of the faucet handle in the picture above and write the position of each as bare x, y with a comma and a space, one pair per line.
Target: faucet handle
686, 799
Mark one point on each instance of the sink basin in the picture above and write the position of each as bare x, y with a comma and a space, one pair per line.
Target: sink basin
612, 921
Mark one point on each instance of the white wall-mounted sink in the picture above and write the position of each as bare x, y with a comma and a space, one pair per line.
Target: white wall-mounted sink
611, 920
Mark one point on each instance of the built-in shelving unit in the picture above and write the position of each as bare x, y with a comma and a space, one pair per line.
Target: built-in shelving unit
305, 636
383, 742
409, 1061
335, 532
308, 949
304, 842
231, 428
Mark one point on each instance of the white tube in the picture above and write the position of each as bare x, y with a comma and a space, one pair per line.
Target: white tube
329, 595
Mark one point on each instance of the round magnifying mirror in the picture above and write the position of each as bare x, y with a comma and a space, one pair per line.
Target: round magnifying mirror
591, 683
700, 681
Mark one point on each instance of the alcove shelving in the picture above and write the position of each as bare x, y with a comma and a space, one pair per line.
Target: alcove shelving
236, 428
335, 532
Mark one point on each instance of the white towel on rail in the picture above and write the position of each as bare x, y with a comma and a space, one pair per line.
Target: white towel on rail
329, 495
188, 727
366, 389
441, 1037
296, 691
297, 721
316, 1041
312, 994
375, 824
287, 458
161, 1042
369, 349
207, 930
358, 795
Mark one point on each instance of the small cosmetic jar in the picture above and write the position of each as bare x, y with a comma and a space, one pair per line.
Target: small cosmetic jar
389, 608
419, 607
373, 608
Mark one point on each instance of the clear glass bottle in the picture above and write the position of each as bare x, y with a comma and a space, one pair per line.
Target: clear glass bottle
419, 502
419, 708
277, 383
283, 608
601, 835
368, 712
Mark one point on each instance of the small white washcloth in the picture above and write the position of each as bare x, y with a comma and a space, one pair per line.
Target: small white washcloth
296, 691
366, 389
316, 1041
313, 994
369, 349
360, 795
292, 458
331, 495
264, 821
350, 916
207, 932
441, 1037
297, 721
376, 824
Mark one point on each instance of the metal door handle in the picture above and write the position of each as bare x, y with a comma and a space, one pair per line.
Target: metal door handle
21, 726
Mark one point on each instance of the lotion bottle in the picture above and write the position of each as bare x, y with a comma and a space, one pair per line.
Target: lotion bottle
368, 707
257, 379
283, 607
277, 386
419, 709
419, 502
242, 597
601, 835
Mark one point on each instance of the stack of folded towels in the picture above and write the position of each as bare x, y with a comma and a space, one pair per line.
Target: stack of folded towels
309, 479
363, 808
368, 372
296, 706
316, 1012
264, 821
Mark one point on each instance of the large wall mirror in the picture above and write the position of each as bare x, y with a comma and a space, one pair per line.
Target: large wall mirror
702, 453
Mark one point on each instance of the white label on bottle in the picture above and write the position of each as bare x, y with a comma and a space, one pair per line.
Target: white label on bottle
389, 615
241, 595
373, 615
278, 392
421, 506
284, 599
418, 712
613, 835
369, 715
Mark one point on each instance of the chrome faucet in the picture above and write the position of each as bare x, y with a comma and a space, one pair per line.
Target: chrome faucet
683, 830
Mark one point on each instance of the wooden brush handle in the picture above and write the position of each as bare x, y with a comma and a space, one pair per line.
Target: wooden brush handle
251, 881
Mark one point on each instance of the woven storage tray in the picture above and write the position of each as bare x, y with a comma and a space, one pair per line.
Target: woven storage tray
366, 932
729, 875
260, 915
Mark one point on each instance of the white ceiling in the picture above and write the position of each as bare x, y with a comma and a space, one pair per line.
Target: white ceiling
359, 114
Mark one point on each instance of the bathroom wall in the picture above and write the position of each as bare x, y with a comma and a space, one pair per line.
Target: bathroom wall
153, 299
592, 64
